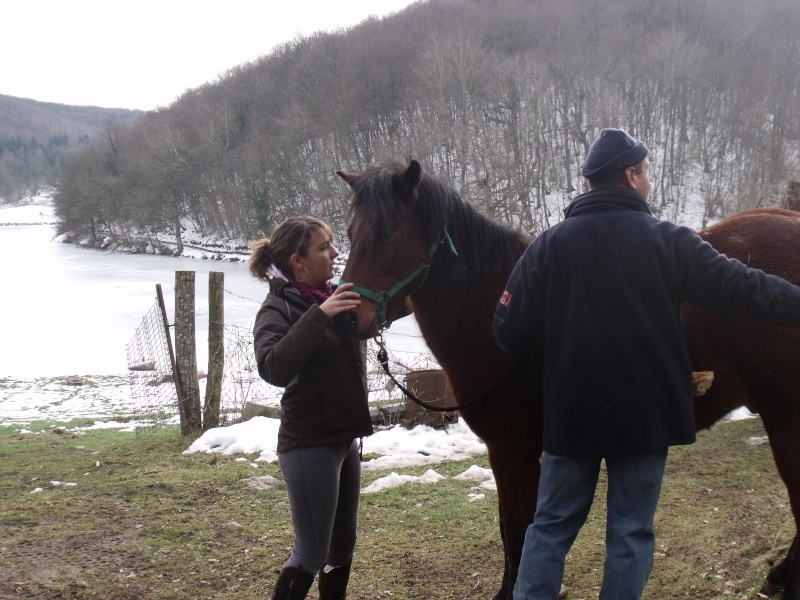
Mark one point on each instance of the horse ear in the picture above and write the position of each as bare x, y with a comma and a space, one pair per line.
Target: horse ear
407, 180
350, 178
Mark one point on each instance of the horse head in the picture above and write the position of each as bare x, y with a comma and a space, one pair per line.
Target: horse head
388, 248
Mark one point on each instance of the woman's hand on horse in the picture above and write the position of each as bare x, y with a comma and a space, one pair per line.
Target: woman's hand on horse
341, 301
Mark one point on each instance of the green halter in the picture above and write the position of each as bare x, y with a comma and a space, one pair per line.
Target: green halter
382, 298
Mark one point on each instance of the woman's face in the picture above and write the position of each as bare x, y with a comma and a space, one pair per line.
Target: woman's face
317, 266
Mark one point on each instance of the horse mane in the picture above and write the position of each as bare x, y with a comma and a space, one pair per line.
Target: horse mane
489, 247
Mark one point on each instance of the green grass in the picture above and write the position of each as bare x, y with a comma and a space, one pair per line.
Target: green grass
145, 521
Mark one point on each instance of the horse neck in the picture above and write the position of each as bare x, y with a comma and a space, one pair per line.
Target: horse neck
455, 313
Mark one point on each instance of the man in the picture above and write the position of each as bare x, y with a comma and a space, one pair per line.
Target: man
598, 298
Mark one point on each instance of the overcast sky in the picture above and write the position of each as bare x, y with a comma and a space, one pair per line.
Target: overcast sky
144, 54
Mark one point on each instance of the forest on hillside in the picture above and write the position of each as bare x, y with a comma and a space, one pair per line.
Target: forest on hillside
500, 98
36, 138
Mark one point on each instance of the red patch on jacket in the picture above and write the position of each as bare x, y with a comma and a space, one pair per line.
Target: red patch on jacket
505, 298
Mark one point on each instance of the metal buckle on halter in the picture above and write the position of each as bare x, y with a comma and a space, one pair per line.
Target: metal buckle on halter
383, 354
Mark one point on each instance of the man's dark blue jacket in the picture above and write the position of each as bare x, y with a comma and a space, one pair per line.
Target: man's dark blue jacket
599, 297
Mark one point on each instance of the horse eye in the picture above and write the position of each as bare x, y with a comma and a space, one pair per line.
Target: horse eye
395, 237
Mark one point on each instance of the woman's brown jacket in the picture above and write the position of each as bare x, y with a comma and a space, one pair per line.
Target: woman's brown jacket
298, 348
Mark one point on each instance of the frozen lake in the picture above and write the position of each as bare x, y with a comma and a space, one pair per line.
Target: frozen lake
67, 310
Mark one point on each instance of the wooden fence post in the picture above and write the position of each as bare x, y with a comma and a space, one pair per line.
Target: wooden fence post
216, 348
186, 353
163, 308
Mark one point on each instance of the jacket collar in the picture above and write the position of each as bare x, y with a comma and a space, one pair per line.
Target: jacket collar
284, 289
278, 286
605, 199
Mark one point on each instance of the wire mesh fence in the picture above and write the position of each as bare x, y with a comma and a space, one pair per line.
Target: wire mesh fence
242, 386
244, 393
384, 396
241, 383
150, 373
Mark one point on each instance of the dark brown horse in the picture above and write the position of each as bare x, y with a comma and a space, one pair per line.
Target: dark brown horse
416, 246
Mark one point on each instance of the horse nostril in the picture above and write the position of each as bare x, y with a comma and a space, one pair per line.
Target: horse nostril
346, 322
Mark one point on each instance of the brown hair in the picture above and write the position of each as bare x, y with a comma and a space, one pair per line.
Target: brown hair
288, 238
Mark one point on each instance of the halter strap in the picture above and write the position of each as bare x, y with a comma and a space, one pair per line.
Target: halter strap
382, 298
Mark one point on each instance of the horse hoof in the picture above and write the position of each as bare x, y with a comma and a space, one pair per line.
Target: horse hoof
773, 586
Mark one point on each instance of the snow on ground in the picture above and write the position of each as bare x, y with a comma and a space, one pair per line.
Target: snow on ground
36, 211
396, 447
52, 400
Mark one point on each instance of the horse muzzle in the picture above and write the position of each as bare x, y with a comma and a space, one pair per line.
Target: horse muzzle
346, 323
359, 323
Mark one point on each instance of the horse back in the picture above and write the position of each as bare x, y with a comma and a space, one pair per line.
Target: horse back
762, 238
754, 363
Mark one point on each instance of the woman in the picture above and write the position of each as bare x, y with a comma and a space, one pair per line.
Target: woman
324, 406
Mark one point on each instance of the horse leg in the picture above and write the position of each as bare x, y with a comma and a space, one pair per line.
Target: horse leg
784, 438
516, 474
503, 593
779, 575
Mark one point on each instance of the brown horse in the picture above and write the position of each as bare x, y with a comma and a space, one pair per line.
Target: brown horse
416, 246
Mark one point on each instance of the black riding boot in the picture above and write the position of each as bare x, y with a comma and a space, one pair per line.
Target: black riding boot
293, 584
333, 585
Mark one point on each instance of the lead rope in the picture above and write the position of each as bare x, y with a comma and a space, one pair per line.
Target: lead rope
383, 359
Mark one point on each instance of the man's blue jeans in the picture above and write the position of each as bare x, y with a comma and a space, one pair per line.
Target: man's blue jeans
566, 491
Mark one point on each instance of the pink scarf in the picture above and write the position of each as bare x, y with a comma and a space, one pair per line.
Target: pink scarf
313, 295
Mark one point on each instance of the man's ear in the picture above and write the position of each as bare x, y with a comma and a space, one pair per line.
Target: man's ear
630, 178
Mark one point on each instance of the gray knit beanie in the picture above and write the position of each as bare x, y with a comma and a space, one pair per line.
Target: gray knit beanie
612, 151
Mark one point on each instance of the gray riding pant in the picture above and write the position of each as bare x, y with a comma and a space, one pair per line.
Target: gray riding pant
324, 485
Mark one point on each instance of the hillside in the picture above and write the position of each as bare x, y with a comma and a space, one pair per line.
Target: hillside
499, 98
37, 137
